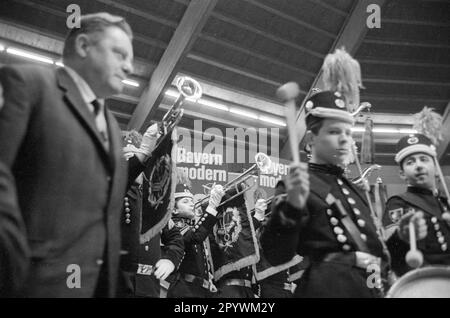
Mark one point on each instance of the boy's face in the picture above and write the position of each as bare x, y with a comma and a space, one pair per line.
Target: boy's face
332, 144
184, 207
419, 170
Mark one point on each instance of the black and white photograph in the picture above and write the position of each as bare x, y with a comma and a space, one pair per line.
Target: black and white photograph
224, 156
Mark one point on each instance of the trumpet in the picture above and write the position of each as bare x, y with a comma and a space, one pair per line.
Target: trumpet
262, 163
188, 88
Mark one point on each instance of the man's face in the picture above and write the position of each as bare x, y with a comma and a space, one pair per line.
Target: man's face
108, 61
185, 208
419, 171
332, 143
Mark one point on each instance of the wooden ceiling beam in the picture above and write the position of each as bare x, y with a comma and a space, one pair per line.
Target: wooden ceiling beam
252, 53
330, 7
291, 18
139, 12
399, 98
399, 42
231, 68
266, 34
404, 82
188, 29
366, 60
416, 22
350, 36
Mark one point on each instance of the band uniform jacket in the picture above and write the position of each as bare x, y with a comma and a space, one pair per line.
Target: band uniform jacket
195, 262
316, 231
69, 186
435, 246
139, 258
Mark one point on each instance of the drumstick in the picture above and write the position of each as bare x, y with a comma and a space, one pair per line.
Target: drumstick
414, 257
288, 93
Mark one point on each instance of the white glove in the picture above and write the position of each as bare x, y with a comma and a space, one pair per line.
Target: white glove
419, 223
149, 139
215, 197
446, 217
260, 209
163, 268
129, 151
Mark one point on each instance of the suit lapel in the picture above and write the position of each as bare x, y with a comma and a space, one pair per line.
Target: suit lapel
115, 143
77, 104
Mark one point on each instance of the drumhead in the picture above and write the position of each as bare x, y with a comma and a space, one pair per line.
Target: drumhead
427, 282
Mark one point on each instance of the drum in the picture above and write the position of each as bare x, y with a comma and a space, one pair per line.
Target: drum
426, 282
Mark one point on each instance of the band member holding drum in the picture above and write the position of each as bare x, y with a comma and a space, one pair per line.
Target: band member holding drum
332, 226
194, 275
421, 200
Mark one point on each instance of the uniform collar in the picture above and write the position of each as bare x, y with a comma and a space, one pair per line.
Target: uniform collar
418, 190
328, 169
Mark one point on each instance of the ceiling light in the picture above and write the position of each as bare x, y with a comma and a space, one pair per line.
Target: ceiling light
273, 120
387, 130
59, 63
243, 113
130, 82
172, 93
29, 55
213, 104
1, 47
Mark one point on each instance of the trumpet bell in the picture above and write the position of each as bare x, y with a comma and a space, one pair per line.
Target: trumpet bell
263, 163
188, 87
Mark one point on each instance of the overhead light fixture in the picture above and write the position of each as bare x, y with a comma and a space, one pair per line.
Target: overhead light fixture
213, 104
29, 55
59, 63
130, 82
172, 93
387, 130
2, 47
243, 113
272, 120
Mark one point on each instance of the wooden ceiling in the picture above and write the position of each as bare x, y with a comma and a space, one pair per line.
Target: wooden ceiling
241, 51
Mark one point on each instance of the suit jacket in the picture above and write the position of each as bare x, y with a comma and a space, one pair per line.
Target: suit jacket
13, 245
69, 187
435, 246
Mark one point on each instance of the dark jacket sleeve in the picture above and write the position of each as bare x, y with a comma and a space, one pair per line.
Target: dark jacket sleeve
173, 249
135, 167
395, 208
15, 116
201, 230
280, 237
14, 253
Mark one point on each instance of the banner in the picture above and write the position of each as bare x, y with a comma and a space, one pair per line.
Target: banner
233, 241
158, 188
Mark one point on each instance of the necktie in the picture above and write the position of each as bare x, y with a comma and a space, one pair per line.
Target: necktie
100, 121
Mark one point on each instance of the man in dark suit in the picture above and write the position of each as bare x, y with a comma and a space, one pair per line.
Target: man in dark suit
13, 245
64, 150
